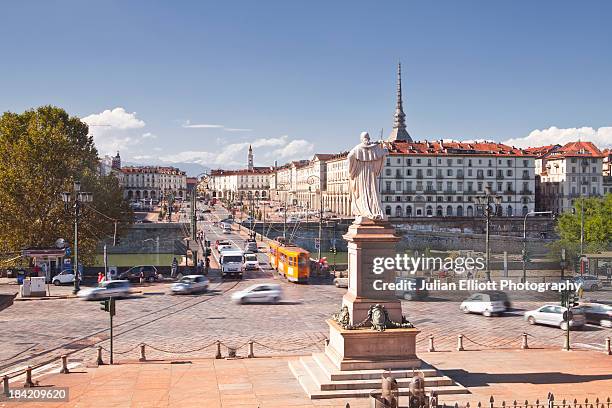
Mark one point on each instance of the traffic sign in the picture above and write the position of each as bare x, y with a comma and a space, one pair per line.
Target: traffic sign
317, 243
67, 251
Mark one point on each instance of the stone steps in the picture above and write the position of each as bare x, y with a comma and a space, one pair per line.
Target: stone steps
319, 383
336, 375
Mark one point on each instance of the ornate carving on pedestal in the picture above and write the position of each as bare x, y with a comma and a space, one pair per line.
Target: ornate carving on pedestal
343, 317
377, 316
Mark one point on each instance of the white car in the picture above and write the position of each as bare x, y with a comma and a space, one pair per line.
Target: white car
250, 262
486, 304
112, 288
341, 282
224, 247
190, 284
64, 277
263, 292
552, 315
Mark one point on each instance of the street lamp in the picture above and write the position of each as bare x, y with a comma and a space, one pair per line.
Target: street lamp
311, 180
525, 239
485, 202
77, 197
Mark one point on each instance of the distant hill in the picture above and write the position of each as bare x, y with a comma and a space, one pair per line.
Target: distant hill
192, 169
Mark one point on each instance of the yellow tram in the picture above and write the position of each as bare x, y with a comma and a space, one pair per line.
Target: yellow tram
290, 261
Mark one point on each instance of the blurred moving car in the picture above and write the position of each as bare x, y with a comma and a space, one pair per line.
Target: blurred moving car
64, 277
341, 282
589, 282
112, 288
221, 242
597, 313
263, 292
485, 303
250, 262
413, 289
552, 315
190, 284
133, 274
227, 228
224, 247
250, 246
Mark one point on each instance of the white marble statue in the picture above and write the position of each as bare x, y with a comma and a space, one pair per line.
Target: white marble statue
366, 161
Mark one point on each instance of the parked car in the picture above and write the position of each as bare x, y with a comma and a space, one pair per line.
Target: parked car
112, 288
133, 274
589, 282
263, 292
485, 303
416, 293
341, 282
552, 315
190, 284
250, 262
64, 277
597, 313
250, 246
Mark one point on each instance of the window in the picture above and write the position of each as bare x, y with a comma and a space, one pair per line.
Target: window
449, 172
449, 210
525, 163
409, 172
429, 162
398, 211
460, 211
509, 163
429, 172
409, 162
439, 211
509, 173
387, 172
388, 210
418, 161
429, 210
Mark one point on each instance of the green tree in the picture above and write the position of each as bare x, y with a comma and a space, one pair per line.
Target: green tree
42, 152
597, 228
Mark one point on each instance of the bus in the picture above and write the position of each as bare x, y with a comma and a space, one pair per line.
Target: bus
290, 261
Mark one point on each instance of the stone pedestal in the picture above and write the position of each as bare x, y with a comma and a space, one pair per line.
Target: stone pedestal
366, 241
366, 349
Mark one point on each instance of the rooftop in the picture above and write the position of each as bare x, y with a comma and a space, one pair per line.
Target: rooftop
454, 148
576, 149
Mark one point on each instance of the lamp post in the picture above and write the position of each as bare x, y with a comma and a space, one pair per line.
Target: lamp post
283, 186
311, 180
525, 240
77, 197
485, 201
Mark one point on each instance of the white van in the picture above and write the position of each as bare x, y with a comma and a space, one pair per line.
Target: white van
227, 228
232, 263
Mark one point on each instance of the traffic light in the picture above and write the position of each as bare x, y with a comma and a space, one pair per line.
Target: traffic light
108, 305
573, 300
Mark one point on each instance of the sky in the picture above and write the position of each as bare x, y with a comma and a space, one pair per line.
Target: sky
198, 81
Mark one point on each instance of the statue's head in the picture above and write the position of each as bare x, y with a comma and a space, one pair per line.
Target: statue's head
365, 138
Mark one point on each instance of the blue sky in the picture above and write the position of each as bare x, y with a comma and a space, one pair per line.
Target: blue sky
301, 77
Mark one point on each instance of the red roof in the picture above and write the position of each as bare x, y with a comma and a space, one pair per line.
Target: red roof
153, 169
577, 149
443, 148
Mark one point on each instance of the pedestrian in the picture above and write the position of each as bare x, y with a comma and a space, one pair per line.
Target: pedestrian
174, 268
100, 278
142, 277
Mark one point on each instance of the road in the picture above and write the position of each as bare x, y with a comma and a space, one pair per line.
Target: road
34, 331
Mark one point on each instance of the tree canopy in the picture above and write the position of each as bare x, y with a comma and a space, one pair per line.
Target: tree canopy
42, 152
597, 227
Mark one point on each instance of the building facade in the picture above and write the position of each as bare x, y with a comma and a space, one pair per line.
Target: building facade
568, 172
443, 179
153, 182
337, 197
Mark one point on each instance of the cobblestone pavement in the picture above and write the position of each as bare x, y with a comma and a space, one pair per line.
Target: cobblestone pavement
36, 330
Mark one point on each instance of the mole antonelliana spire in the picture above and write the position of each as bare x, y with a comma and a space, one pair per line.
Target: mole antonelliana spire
399, 131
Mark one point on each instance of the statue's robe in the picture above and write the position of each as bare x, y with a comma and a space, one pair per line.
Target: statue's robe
365, 164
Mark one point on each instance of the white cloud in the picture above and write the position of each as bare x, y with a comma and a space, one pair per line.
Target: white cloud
601, 137
149, 135
235, 154
294, 150
115, 129
190, 125
116, 118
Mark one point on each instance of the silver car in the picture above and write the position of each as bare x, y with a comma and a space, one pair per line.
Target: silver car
190, 284
552, 315
263, 292
112, 288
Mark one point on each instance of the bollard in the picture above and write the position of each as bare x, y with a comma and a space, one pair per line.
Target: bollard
460, 343
524, 345
28, 381
251, 353
99, 359
607, 350
566, 343
5, 386
143, 357
431, 343
64, 369
218, 355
